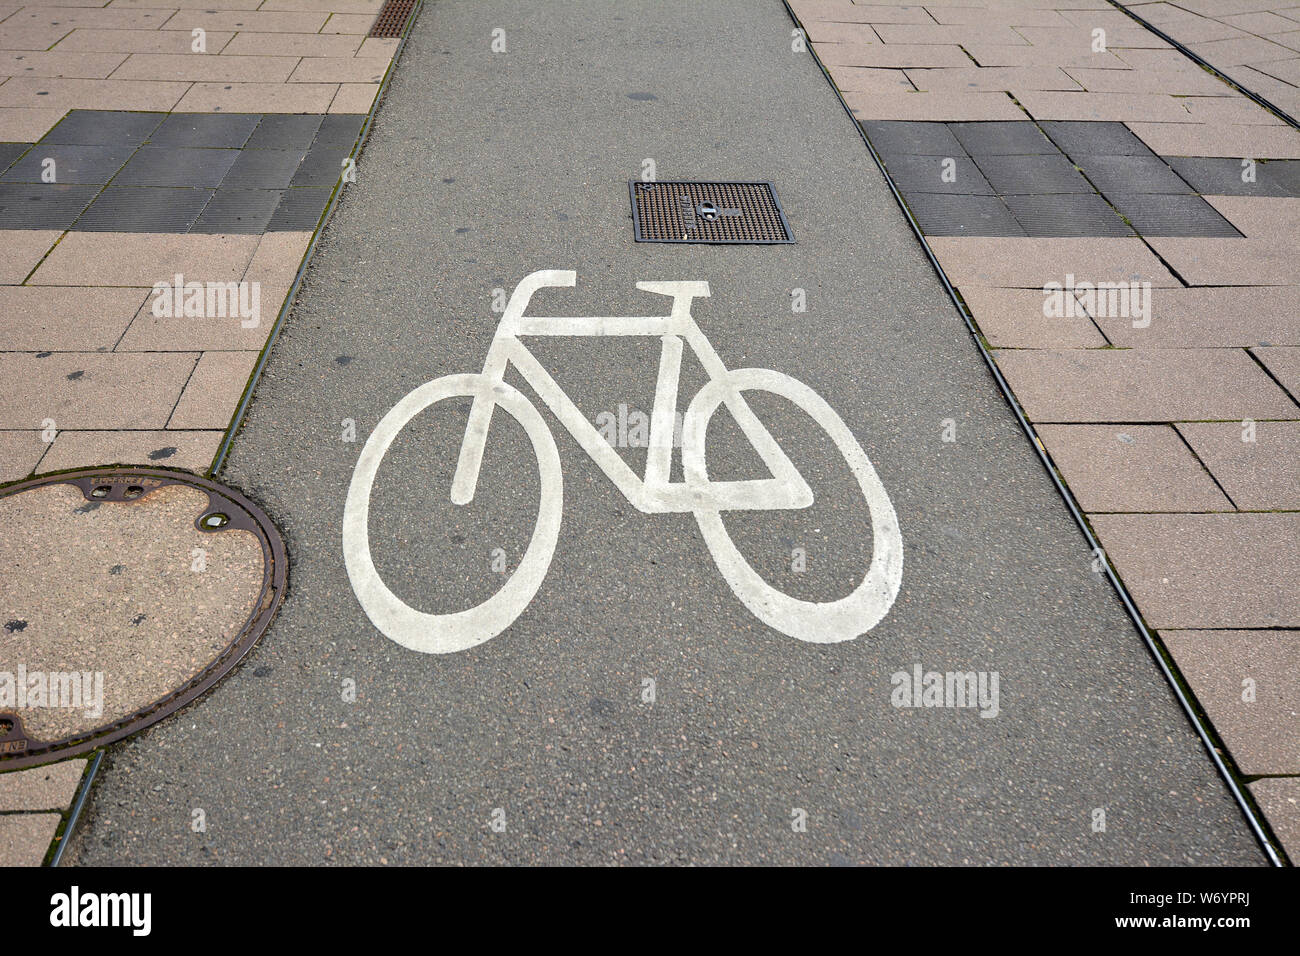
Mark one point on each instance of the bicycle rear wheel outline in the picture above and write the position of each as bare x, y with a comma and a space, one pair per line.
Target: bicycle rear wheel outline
815, 622
458, 630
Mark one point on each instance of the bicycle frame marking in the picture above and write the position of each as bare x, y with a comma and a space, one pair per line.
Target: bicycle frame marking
653, 494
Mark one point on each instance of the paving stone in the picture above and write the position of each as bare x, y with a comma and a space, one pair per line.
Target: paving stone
24, 125
127, 259
892, 55
940, 215
928, 174
176, 166
1224, 262
73, 165
854, 79
206, 68
354, 98
1155, 215
1186, 139
894, 33
139, 41
285, 131
20, 451
213, 391
340, 69
993, 54
10, 152
1221, 176
1142, 385
300, 209
322, 166
90, 389
1094, 139
67, 94
1261, 733
248, 21
59, 64
149, 209
1021, 138
25, 837
932, 106
339, 131
1239, 50
152, 333
257, 97
264, 169
1208, 570
355, 23
1013, 318
292, 44
1131, 468
1130, 174
1172, 82
1279, 798
104, 128
52, 787
1030, 263
53, 319
1226, 109
225, 131
1032, 175
1116, 107
193, 450
1070, 214
278, 258
1262, 218
43, 206
1262, 474
1284, 365
1210, 317
989, 79
235, 210
902, 138
24, 249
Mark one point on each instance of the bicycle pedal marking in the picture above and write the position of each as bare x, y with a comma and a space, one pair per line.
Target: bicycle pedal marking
654, 493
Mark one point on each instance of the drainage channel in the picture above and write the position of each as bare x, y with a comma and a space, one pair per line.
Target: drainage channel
1254, 819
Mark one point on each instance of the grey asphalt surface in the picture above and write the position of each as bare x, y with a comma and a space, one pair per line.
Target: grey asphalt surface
481, 168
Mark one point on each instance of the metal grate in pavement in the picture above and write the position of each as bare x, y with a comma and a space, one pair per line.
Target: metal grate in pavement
710, 212
392, 19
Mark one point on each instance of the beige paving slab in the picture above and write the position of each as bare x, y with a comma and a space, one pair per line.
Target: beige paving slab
1025, 263
859, 79
1248, 683
23, 249
189, 4
1226, 262
141, 41
143, 259
893, 55
38, 319
30, 36
255, 21
354, 98
25, 837
1176, 82
192, 451
1209, 317
824, 31
210, 67
354, 23
1262, 217
342, 69
1183, 139
963, 79
1234, 52
59, 64
1234, 110
1164, 60
88, 18
993, 33
67, 94
1131, 468
1013, 319
1010, 15
1279, 798
1142, 385
1069, 39
1208, 570
257, 97
812, 12
213, 392
945, 106
1256, 463
998, 54
277, 258
152, 333
337, 6
52, 787
375, 46
1103, 107
20, 450
1288, 71
294, 44
1283, 364
26, 125
91, 389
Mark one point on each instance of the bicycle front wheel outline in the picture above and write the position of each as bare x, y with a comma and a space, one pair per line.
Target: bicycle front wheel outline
811, 621
458, 630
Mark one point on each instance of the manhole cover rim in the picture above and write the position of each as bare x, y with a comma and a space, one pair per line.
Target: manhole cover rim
640, 234
242, 514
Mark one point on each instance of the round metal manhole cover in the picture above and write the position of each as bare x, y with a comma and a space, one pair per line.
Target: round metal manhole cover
128, 592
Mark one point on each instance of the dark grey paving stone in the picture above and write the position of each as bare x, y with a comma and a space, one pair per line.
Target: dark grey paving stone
206, 130
340, 129
238, 211
322, 166
173, 166
1094, 138
143, 209
924, 174
73, 165
1067, 214
908, 138
42, 206
10, 152
940, 215
1154, 215
285, 131
263, 169
1003, 138
1032, 175
104, 128
1221, 176
1131, 174
299, 209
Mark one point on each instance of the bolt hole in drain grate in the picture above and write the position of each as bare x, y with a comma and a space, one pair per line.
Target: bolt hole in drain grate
711, 212
392, 19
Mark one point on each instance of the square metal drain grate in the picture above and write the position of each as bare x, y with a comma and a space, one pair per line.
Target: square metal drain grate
392, 19
708, 212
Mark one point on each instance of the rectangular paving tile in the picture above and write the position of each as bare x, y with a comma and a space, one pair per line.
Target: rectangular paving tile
1014, 319
42, 206
25, 837
9, 152
235, 210
71, 165
1032, 175
285, 131
1258, 464
300, 209
1222, 175
67, 94
1030, 263
91, 389
1114, 107
264, 169
140, 41
291, 44
1156, 215
1131, 468
339, 131
1186, 139
213, 391
1130, 174
903, 138
1262, 217
20, 452
1208, 570
322, 166
1142, 385
1260, 729
52, 787
192, 450
1068, 214
277, 259
1212, 317
104, 128
22, 125
152, 333
1021, 138
1224, 262
1279, 798
354, 98
150, 209
940, 215
176, 166
1283, 364
224, 131
52, 319
247, 21
954, 175
206, 68
135, 259
932, 106
257, 97
79, 65
892, 55
24, 248
994, 78
340, 69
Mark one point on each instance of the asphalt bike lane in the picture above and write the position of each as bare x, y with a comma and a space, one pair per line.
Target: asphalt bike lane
616, 551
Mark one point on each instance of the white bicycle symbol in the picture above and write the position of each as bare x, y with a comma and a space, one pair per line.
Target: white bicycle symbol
822, 623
